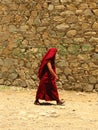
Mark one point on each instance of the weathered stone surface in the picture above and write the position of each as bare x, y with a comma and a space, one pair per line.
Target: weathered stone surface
95, 26
71, 7
86, 26
28, 28
96, 87
12, 76
19, 82
59, 7
92, 5
50, 7
66, 13
95, 56
94, 73
8, 83
87, 47
88, 87
93, 39
12, 28
96, 49
62, 26
92, 79
73, 49
78, 87
64, 1
67, 71
58, 19
95, 12
88, 12
83, 6
77, 40
1, 81
4, 36
78, 12
30, 83
71, 33
1, 62
71, 19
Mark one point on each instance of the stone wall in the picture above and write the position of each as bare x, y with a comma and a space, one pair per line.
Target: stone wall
28, 27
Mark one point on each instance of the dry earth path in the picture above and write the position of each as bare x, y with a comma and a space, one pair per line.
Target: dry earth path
17, 111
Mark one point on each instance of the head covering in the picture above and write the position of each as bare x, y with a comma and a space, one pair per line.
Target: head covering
50, 54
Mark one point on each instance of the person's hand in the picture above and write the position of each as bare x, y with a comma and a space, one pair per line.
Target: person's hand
56, 77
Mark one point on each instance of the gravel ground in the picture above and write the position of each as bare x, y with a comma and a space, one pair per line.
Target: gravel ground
18, 112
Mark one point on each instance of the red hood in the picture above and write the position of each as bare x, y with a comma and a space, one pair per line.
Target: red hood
50, 54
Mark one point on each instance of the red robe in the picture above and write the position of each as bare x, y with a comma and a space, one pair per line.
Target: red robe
47, 89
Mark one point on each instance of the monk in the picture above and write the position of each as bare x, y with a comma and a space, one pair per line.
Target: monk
47, 89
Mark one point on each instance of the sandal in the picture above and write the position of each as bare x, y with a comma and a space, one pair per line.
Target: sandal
37, 103
61, 102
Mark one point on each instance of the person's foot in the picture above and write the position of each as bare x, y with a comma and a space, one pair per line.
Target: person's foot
60, 102
37, 103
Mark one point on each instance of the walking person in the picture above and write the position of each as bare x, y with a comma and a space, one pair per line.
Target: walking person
47, 89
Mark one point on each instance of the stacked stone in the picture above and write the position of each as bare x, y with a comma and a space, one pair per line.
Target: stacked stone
28, 27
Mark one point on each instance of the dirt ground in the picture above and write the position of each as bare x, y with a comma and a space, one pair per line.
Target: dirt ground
18, 112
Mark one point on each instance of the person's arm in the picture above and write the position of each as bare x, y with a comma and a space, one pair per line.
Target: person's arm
51, 70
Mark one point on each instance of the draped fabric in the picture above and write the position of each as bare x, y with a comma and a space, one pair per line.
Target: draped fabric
50, 55
47, 89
